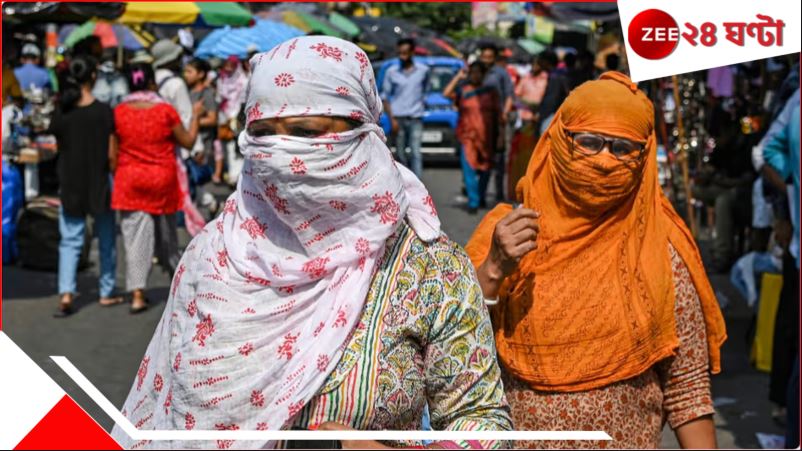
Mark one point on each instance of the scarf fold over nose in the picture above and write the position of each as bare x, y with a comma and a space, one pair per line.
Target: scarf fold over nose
594, 303
265, 300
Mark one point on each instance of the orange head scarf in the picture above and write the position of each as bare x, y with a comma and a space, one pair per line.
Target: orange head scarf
594, 303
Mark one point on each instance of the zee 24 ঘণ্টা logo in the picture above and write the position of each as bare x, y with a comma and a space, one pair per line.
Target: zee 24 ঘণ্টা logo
654, 34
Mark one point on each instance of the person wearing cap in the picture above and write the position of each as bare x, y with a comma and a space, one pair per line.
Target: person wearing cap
141, 56
167, 63
30, 74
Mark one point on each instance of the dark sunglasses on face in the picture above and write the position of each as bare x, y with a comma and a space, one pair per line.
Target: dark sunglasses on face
592, 144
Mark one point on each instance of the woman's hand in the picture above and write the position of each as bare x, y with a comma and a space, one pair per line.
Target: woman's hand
351, 444
450, 90
514, 237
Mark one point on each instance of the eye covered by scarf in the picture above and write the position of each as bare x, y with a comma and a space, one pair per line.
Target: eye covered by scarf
265, 300
594, 304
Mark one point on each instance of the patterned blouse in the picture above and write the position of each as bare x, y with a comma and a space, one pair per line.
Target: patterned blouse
425, 335
632, 412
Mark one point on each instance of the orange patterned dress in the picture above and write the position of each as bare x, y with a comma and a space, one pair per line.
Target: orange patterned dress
632, 412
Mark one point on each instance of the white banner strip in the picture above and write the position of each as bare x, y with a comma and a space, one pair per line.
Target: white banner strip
136, 434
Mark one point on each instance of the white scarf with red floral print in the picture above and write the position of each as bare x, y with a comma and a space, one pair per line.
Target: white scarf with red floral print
266, 298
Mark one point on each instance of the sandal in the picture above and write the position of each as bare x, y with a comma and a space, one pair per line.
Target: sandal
65, 309
141, 308
110, 301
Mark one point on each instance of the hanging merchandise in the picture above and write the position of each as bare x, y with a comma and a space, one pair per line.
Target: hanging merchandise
542, 29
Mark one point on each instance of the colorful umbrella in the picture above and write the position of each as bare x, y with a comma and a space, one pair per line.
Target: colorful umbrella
310, 23
111, 35
344, 23
448, 48
199, 14
531, 46
263, 36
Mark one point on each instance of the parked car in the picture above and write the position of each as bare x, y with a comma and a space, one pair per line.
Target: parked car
439, 141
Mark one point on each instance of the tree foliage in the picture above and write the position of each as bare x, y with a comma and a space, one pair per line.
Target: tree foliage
447, 18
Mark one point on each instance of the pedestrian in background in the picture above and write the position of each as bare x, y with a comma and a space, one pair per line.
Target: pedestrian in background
146, 186
232, 82
499, 79
110, 86
30, 74
595, 234
404, 93
196, 74
529, 94
782, 163
170, 86
557, 89
167, 56
580, 70
477, 130
204, 164
83, 127
725, 181
532, 87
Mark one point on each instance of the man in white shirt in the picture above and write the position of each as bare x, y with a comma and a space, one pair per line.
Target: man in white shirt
167, 62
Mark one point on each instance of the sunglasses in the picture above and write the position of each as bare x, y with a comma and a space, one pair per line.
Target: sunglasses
591, 144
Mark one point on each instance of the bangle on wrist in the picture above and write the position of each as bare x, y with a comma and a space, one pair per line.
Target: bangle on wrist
490, 302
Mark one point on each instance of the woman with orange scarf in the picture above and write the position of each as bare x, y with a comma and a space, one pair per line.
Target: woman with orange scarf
605, 319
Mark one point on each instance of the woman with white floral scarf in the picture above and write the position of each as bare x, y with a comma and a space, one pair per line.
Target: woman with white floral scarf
325, 295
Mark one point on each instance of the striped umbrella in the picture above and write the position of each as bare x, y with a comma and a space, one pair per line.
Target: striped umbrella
199, 14
310, 23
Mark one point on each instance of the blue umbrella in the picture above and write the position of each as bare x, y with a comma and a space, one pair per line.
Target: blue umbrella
207, 44
263, 36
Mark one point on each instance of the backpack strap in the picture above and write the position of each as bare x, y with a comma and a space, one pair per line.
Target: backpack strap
164, 82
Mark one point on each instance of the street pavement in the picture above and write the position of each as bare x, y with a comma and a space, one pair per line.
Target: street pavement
107, 343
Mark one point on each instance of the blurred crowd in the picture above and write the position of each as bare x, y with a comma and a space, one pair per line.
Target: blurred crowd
163, 130
503, 108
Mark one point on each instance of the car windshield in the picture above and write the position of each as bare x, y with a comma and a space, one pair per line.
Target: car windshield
440, 76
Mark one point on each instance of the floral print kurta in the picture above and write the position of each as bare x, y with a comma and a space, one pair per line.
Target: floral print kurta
424, 335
